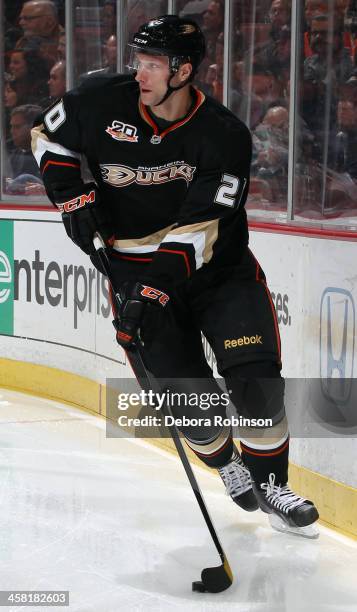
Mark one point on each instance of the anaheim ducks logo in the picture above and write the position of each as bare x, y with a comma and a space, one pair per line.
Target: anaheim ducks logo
122, 176
122, 131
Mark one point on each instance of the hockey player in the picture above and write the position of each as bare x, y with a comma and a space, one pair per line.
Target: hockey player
171, 176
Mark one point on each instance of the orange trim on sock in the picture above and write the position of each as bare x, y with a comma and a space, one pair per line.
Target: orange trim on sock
212, 454
272, 454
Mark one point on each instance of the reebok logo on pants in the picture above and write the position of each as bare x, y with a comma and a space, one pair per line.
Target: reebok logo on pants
244, 341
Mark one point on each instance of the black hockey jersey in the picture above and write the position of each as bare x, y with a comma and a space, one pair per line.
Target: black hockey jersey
176, 196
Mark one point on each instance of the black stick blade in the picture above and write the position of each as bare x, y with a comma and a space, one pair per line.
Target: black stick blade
214, 579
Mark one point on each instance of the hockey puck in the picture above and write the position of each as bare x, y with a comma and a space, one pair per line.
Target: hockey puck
199, 586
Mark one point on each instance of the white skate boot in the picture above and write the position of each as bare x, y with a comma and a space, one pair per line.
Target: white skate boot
237, 480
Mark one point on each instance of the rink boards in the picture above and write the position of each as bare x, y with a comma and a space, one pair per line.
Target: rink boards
54, 312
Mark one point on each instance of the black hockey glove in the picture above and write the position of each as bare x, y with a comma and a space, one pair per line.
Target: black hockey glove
83, 215
135, 298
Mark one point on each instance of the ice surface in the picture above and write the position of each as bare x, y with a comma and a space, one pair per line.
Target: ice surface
114, 521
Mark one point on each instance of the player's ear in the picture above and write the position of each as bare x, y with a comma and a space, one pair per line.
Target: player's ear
185, 71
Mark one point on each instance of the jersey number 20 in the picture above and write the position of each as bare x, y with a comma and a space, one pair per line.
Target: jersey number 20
228, 190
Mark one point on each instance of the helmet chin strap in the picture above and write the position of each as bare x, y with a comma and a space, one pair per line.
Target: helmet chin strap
170, 90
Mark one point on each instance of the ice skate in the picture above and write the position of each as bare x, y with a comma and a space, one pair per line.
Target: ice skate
237, 480
288, 512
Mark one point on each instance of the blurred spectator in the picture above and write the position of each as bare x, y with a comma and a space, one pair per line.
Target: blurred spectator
238, 47
61, 49
325, 71
343, 140
30, 74
253, 93
214, 77
11, 34
348, 90
261, 91
271, 158
238, 74
110, 54
139, 13
10, 94
280, 16
39, 22
57, 80
22, 166
271, 150
315, 8
10, 101
17, 65
109, 58
341, 175
213, 24
109, 25
351, 23
237, 94
322, 7
275, 54
194, 9
340, 8
248, 12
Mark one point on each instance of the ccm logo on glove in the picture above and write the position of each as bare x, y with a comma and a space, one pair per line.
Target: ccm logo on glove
154, 294
76, 203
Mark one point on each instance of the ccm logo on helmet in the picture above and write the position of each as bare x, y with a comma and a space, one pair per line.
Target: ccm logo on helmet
245, 340
78, 202
155, 294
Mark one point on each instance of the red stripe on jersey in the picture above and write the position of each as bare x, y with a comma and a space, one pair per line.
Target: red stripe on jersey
199, 100
54, 163
148, 118
143, 259
184, 255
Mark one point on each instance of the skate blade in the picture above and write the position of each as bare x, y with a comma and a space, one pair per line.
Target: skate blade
311, 531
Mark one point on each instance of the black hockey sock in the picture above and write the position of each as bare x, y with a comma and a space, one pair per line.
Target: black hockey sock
264, 461
214, 452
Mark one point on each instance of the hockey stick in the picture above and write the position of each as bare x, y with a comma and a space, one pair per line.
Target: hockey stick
213, 579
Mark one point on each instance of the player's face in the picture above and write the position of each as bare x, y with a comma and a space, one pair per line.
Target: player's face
152, 74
